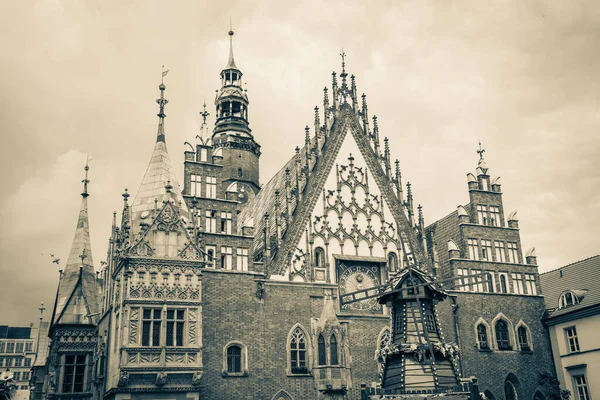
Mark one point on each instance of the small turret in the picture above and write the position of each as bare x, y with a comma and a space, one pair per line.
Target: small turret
530, 257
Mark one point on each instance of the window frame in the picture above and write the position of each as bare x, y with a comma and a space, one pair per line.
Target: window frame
196, 185
473, 249
178, 327
211, 187
518, 282
575, 339
577, 386
500, 250
486, 250
530, 284
507, 287
151, 321
75, 365
244, 372
297, 371
241, 254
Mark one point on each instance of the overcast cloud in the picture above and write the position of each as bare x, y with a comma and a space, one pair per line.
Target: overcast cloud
81, 77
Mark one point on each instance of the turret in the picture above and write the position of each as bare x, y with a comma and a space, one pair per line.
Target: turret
232, 137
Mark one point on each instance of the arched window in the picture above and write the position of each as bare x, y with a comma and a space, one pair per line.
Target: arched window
385, 338
392, 261
503, 284
234, 359
490, 283
298, 351
502, 338
322, 356
482, 337
319, 257
568, 299
523, 338
510, 393
333, 350
282, 395
240, 172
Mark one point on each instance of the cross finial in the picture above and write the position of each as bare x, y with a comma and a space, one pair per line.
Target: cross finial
42, 309
343, 55
480, 151
83, 256
204, 113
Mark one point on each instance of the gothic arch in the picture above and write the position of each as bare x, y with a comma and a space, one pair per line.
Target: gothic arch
511, 386
511, 331
282, 395
522, 324
488, 330
295, 334
386, 333
243, 361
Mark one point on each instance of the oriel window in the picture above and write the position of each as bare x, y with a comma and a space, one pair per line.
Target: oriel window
151, 321
175, 327
74, 374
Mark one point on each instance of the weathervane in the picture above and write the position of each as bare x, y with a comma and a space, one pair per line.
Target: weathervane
164, 73
204, 113
480, 151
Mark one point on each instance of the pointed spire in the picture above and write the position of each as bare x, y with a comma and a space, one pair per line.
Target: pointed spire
78, 278
334, 90
398, 181
353, 92
325, 107
409, 203
365, 115
388, 167
231, 61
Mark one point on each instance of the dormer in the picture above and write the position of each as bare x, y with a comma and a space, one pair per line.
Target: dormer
570, 298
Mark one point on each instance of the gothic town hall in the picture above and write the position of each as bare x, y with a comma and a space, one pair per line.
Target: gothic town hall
222, 286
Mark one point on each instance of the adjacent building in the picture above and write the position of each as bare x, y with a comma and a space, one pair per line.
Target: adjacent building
572, 296
17, 353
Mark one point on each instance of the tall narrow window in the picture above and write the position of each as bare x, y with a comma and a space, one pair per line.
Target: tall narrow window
581, 387
486, 250
240, 172
333, 350
19, 348
517, 283
196, 185
321, 350
482, 337
319, 257
10, 347
242, 259
2, 346
226, 257
234, 359
151, 320
502, 338
503, 283
175, 326
392, 261
211, 221
490, 282
226, 222
298, 356
500, 251
482, 215
74, 375
530, 284
203, 154
29, 347
210, 252
572, 340
513, 252
211, 187
473, 249
430, 321
523, 339
495, 219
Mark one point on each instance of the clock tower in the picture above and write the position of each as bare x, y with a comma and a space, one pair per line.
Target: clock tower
232, 137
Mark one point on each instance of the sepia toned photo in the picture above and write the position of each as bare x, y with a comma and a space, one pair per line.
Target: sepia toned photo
281, 200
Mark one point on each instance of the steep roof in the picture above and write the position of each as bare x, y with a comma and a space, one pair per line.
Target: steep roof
158, 174
77, 295
578, 277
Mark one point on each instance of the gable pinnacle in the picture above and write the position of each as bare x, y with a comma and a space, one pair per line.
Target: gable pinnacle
204, 113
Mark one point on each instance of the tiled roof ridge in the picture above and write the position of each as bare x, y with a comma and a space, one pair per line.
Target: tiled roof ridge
570, 264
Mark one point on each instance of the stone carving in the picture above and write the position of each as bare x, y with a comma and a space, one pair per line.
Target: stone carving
161, 379
141, 249
123, 379
133, 326
192, 333
197, 378
260, 290
190, 252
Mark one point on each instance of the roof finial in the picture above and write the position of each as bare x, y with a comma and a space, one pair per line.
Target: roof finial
343, 55
204, 113
480, 151
160, 137
231, 61
86, 180
42, 309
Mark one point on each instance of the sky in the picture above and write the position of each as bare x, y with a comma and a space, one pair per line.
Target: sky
81, 78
